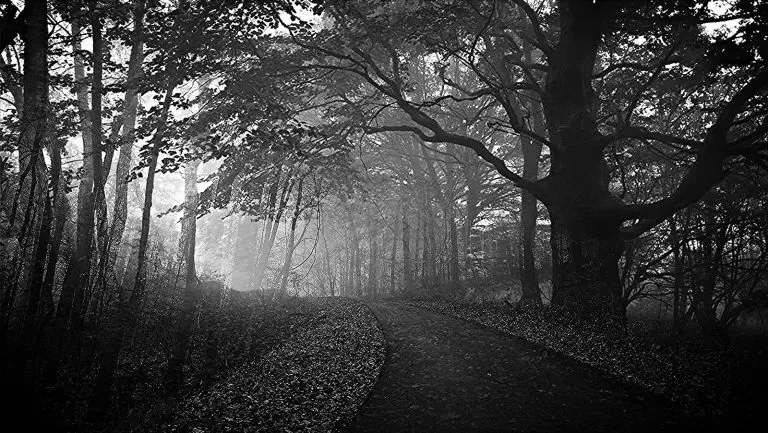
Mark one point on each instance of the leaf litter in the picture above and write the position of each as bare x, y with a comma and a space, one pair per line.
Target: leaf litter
311, 381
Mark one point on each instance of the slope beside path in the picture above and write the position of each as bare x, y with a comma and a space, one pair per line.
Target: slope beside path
443, 374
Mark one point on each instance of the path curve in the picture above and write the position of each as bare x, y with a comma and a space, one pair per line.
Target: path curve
444, 374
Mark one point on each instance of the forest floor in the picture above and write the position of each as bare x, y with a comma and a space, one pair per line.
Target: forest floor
312, 380
301, 364
446, 374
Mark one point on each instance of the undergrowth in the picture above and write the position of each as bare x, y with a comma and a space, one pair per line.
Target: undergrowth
302, 364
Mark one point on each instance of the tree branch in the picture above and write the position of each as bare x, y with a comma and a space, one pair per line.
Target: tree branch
706, 171
441, 136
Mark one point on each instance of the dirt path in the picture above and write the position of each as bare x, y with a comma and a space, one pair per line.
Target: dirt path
444, 374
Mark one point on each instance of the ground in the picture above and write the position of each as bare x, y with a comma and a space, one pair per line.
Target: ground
445, 374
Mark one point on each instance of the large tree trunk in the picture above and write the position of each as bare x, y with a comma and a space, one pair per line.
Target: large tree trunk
32, 188
34, 111
585, 272
586, 246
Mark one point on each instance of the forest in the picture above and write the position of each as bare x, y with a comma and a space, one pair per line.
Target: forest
275, 215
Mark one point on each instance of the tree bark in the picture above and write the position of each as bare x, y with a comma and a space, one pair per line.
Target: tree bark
528, 207
528, 216
33, 189
586, 244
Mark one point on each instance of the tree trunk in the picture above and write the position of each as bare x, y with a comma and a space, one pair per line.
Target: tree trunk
528, 215
174, 376
346, 267
454, 272
34, 191
123, 134
275, 213
126, 313
423, 228
127, 136
242, 262
407, 267
432, 240
97, 285
393, 259
528, 210
72, 297
100, 205
328, 269
61, 208
586, 244
373, 271
31, 318
291, 240
473, 182
585, 272
714, 236
357, 271
678, 275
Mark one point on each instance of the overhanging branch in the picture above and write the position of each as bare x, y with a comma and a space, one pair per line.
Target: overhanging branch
706, 171
441, 136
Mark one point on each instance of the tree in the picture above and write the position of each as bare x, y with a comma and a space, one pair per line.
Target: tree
32, 193
174, 374
589, 223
